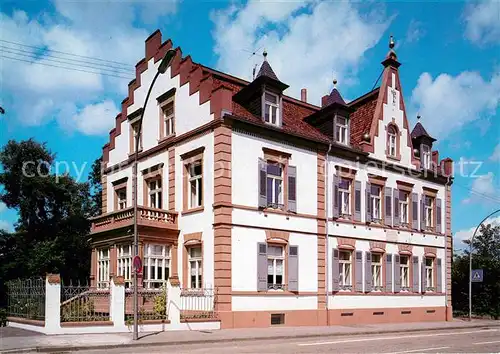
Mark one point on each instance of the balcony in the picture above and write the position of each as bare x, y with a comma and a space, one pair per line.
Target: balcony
146, 217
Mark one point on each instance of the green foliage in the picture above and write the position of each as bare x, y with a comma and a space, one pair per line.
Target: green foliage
486, 256
96, 187
81, 310
3, 317
160, 304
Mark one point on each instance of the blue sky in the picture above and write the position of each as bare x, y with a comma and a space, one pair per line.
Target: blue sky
449, 51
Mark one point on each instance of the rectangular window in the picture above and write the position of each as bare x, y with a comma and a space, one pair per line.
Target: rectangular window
341, 130
426, 157
155, 193
271, 110
195, 267
429, 212
275, 267
377, 271
168, 119
404, 271
345, 270
121, 197
156, 267
195, 185
135, 130
403, 208
375, 199
274, 185
103, 268
124, 263
345, 197
429, 273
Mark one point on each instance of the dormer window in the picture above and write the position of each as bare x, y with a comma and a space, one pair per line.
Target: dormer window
271, 108
342, 130
426, 157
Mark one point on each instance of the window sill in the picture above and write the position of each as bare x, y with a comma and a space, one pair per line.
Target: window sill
192, 211
393, 158
165, 138
132, 153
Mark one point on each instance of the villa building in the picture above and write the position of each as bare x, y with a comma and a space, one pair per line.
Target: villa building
296, 214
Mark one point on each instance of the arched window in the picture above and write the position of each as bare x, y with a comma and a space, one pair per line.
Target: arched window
392, 140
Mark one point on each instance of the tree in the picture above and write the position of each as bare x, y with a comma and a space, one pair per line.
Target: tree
96, 187
486, 256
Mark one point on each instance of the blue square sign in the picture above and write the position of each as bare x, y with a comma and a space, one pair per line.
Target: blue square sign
477, 275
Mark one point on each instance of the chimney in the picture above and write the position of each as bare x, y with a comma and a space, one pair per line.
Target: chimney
324, 99
303, 95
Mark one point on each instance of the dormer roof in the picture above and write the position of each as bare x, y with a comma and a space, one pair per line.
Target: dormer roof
419, 132
335, 97
266, 70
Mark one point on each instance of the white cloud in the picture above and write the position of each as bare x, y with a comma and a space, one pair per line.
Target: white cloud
483, 22
483, 190
415, 32
90, 120
447, 102
6, 226
496, 154
105, 29
3, 207
460, 236
309, 43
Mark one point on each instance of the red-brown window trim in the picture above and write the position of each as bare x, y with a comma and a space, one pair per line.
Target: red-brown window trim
397, 132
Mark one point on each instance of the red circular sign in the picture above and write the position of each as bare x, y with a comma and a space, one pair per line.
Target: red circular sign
137, 264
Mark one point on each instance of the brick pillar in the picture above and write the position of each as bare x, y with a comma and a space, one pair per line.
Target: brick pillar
93, 268
112, 261
321, 197
53, 304
171, 179
449, 253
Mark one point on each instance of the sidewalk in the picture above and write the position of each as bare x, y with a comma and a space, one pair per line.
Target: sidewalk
31, 343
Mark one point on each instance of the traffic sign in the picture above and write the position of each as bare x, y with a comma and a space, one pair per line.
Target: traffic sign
477, 276
137, 264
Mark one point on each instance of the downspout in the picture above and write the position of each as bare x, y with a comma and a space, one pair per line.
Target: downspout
326, 235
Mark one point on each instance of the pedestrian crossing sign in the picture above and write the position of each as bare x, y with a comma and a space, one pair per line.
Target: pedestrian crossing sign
477, 275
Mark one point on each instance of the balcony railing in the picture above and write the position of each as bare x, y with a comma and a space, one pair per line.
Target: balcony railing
145, 217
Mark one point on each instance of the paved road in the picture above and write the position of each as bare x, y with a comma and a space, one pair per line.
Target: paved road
464, 341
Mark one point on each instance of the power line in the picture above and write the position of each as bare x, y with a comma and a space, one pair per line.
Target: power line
62, 67
127, 71
93, 66
479, 194
66, 53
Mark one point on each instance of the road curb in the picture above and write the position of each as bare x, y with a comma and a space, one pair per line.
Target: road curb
59, 349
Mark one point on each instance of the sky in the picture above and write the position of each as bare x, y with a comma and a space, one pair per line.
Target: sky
450, 73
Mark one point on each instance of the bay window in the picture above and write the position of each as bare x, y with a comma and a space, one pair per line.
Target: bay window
275, 267
156, 267
124, 263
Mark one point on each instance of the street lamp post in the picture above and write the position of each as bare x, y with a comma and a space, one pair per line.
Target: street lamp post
167, 59
470, 262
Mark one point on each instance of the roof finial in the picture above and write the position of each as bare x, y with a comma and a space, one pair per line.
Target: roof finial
391, 42
418, 117
265, 55
334, 83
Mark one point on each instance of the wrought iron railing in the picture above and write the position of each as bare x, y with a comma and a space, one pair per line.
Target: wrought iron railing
26, 298
272, 286
83, 303
198, 303
152, 304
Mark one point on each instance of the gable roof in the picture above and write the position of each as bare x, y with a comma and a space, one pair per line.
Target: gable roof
361, 118
266, 70
419, 131
335, 97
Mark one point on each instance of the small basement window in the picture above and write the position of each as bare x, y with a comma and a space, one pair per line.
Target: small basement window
277, 319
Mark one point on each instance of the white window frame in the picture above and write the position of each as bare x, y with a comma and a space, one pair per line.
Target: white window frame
342, 130
426, 156
103, 260
124, 263
195, 265
392, 141
429, 273
429, 212
404, 272
345, 267
136, 125
121, 197
276, 200
404, 209
345, 198
376, 201
155, 191
197, 182
377, 268
168, 120
268, 109
275, 261
155, 260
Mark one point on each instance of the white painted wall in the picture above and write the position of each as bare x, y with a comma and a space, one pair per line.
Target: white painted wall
373, 302
274, 303
111, 196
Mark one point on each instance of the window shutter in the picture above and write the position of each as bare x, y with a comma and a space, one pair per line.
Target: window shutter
414, 210
368, 271
357, 201
415, 274
368, 204
261, 267
395, 220
359, 271
424, 276
438, 216
293, 268
335, 196
439, 285
262, 183
335, 270
397, 274
292, 188
388, 273
388, 206
422, 212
